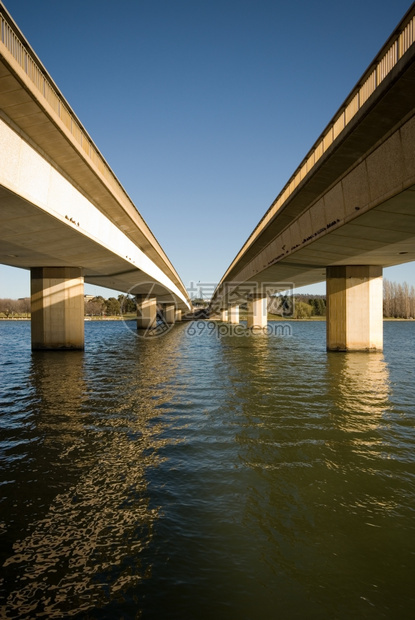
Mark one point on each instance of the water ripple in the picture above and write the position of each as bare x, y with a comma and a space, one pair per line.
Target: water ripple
207, 477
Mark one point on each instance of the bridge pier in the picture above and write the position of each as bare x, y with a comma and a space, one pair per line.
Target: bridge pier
178, 316
146, 311
233, 314
257, 312
354, 308
224, 315
57, 306
169, 313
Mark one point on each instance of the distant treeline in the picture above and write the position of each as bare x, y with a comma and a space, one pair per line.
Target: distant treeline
97, 306
398, 303
398, 300
298, 306
306, 306
113, 306
15, 307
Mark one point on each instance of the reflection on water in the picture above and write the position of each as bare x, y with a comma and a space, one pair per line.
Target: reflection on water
360, 383
93, 520
197, 476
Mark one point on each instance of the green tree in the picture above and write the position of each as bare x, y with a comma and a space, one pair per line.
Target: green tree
127, 304
112, 306
302, 310
95, 307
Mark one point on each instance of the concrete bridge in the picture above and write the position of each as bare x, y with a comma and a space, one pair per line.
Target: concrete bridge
347, 211
63, 213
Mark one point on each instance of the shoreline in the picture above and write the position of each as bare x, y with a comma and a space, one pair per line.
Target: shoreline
132, 318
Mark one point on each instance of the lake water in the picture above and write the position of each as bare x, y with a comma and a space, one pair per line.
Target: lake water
199, 476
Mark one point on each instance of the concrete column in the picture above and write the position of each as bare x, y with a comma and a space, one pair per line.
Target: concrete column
233, 314
354, 308
57, 299
169, 311
224, 315
178, 316
257, 312
146, 312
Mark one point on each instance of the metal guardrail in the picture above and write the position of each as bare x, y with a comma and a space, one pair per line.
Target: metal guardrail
402, 40
395, 48
15, 43
30, 65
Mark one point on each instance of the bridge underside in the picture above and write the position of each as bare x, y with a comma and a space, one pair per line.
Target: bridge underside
60, 260
49, 226
363, 218
354, 206
63, 213
384, 236
350, 258
46, 220
30, 237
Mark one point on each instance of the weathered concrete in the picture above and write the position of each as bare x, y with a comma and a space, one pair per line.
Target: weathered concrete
178, 316
46, 220
61, 205
354, 308
169, 312
224, 315
146, 312
57, 298
257, 312
233, 314
350, 202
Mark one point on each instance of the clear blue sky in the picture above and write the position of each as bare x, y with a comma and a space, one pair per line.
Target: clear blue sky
204, 108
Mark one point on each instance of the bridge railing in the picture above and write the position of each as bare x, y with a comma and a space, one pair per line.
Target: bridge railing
16, 45
402, 41
32, 67
395, 48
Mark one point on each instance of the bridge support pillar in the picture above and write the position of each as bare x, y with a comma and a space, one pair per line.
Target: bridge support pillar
233, 314
178, 316
146, 312
57, 300
223, 315
169, 311
257, 312
354, 308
